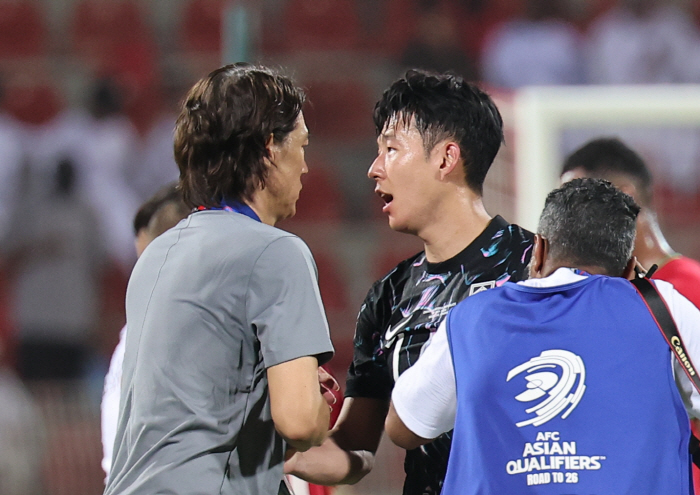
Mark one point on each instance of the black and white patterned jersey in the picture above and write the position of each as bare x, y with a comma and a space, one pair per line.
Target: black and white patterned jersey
403, 309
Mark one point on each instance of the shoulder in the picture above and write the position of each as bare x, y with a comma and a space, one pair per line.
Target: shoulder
506, 244
222, 226
516, 232
684, 274
681, 266
386, 291
673, 298
396, 277
403, 269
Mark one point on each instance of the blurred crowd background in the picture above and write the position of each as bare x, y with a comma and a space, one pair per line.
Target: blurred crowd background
88, 97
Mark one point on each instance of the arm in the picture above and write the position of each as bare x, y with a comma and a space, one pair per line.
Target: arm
424, 400
348, 454
284, 308
399, 432
299, 411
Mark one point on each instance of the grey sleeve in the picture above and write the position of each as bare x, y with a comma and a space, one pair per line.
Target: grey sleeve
284, 304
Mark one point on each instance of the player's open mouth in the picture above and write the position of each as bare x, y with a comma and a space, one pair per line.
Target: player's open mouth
387, 198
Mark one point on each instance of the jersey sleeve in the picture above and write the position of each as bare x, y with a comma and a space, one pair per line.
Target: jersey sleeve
684, 274
284, 304
687, 318
425, 395
369, 375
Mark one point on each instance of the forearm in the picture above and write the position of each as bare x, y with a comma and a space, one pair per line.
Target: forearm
330, 465
299, 411
304, 435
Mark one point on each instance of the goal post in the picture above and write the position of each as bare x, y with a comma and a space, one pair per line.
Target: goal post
539, 114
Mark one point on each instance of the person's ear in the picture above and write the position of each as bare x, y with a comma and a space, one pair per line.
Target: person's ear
629, 271
540, 251
451, 158
272, 148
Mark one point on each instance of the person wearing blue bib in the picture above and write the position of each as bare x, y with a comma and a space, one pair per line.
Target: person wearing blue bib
540, 379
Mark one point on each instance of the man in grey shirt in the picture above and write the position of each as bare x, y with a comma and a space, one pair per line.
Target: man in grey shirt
226, 324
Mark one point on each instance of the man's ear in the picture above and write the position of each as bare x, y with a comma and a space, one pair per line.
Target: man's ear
272, 148
451, 158
540, 251
629, 272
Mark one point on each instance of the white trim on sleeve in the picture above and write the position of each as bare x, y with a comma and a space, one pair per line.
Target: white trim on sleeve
687, 318
425, 395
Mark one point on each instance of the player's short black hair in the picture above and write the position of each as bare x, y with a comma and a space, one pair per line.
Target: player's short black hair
223, 128
445, 106
589, 222
168, 195
608, 157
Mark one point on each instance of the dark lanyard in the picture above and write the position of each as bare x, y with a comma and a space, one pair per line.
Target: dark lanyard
664, 320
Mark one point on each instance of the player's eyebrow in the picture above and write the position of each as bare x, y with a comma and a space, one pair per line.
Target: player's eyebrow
388, 134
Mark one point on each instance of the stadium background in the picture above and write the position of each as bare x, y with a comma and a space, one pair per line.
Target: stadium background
54, 53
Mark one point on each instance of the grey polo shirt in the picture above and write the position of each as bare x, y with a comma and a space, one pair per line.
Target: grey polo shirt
210, 305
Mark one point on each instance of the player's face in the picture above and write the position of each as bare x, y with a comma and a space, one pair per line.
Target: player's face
288, 165
403, 177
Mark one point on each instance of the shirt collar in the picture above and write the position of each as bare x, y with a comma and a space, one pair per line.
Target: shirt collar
561, 276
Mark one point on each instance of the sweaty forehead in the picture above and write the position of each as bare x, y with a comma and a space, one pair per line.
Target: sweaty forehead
399, 126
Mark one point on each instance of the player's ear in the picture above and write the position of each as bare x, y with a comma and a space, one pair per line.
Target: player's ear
451, 158
540, 250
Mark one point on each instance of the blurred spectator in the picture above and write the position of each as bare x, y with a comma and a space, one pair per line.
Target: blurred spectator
536, 48
156, 166
435, 44
643, 41
107, 150
100, 141
55, 256
22, 438
651, 42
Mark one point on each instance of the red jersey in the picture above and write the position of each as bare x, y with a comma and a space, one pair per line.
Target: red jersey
684, 274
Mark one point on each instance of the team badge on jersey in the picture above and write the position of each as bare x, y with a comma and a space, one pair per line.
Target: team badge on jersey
558, 378
481, 287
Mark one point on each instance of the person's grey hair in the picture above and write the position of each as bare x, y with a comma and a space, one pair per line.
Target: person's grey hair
588, 222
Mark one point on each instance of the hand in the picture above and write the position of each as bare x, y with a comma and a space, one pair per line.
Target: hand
290, 460
328, 385
638, 272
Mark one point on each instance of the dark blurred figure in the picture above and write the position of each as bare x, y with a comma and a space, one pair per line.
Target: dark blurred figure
55, 258
435, 45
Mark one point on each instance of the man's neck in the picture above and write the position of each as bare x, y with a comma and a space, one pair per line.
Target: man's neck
456, 225
651, 247
260, 205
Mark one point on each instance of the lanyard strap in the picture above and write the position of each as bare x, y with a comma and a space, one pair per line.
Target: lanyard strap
233, 206
664, 320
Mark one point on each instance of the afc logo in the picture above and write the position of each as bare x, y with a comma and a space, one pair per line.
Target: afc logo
555, 376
